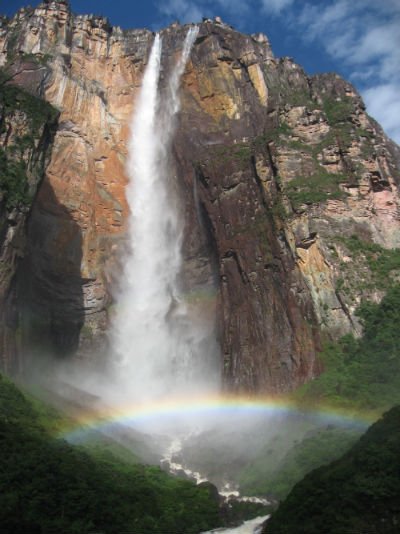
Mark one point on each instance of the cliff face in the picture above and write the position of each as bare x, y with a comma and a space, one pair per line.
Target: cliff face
289, 189
27, 126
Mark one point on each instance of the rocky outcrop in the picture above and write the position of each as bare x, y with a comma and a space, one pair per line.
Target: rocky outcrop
277, 173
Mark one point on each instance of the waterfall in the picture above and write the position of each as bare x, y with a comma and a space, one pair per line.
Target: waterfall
155, 339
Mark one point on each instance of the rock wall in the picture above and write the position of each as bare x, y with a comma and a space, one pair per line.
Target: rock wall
27, 127
279, 174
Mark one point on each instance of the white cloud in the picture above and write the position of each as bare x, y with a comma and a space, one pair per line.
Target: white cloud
235, 7
275, 7
194, 10
383, 101
318, 19
183, 10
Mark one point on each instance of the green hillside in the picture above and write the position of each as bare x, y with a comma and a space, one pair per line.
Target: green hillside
359, 493
275, 476
49, 486
362, 374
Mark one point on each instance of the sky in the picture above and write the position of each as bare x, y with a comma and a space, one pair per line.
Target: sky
358, 39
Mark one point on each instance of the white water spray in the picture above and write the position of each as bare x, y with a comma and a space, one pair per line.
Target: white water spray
157, 343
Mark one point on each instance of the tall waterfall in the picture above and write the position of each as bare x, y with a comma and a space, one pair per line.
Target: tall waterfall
157, 342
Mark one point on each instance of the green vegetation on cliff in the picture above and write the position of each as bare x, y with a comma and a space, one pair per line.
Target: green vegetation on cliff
37, 110
13, 181
338, 110
50, 486
25, 121
372, 266
319, 187
360, 492
362, 374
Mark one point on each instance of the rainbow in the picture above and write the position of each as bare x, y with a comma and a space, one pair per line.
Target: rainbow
105, 418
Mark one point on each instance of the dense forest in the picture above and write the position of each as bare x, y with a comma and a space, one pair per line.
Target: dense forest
49, 486
360, 492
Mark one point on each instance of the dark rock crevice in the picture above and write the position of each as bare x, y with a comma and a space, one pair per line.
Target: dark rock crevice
50, 279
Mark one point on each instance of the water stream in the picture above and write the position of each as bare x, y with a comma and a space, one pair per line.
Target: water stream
254, 526
227, 491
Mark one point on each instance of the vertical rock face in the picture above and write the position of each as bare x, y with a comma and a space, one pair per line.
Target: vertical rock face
279, 175
27, 126
266, 315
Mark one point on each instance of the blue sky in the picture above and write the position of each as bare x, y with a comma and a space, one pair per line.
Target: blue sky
359, 39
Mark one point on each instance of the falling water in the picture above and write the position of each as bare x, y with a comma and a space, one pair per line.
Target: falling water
156, 340
161, 345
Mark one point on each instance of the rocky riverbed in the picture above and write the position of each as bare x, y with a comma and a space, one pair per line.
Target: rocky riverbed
235, 508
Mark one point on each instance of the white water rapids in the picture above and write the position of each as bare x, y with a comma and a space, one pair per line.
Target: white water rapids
253, 526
